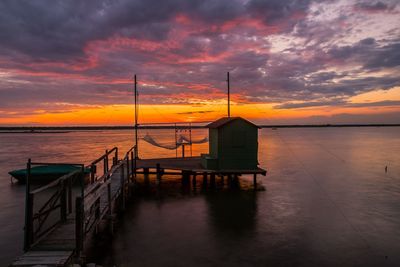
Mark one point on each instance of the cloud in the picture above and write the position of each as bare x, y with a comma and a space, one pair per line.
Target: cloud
342, 103
374, 6
288, 52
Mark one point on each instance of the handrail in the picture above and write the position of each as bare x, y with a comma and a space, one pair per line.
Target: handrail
105, 155
55, 163
61, 200
55, 182
131, 149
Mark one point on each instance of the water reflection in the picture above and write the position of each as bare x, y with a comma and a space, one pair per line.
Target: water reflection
232, 213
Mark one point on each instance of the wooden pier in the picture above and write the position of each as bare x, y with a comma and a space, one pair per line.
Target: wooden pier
62, 215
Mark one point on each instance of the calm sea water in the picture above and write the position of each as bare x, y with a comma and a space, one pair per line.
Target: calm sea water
328, 202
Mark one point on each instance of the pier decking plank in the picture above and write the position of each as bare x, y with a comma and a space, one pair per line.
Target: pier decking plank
192, 164
44, 258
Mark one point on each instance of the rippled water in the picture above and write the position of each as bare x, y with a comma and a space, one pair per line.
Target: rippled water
328, 202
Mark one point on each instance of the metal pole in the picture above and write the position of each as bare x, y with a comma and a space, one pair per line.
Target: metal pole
136, 120
229, 95
176, 142
190, 137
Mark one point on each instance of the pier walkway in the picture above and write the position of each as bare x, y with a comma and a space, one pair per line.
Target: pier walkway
61, 216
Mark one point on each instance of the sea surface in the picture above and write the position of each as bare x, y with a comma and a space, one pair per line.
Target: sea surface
327, 201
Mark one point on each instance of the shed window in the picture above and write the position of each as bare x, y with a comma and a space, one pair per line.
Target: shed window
239, 138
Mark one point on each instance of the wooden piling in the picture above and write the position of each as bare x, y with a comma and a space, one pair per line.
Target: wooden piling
158, 174
69, 187
110, 217
92, 173
28, 230
204, 180
255, 181
79, 225
122, 177
63, 201
194, 182
212, 180
146, 175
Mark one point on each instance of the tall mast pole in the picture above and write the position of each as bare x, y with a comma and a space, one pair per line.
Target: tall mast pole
136, 120
229, 96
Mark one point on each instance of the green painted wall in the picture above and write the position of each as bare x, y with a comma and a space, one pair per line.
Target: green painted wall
237, 145
213, 142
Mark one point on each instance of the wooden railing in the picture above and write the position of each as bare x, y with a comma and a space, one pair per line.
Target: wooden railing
94, 199
48, 206
98, 201
105, 161
131, 157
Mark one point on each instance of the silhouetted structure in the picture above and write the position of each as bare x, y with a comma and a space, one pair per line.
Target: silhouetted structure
233, 145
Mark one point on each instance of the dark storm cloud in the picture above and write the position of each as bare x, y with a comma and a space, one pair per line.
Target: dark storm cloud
374, 6
370, 54
274, 11
84, 52
59, 30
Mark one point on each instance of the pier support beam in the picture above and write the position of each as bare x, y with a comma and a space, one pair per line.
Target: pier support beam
123, 197
110, 215
212, 180
146, 176
255, 181
158, 174
230, 185
205, 180
194, 182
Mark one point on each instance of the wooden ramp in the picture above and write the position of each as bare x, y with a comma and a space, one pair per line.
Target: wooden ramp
61, 245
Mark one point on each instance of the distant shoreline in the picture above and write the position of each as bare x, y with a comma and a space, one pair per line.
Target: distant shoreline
66, 129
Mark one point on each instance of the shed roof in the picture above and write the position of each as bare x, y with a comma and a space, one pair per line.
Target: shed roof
225, 120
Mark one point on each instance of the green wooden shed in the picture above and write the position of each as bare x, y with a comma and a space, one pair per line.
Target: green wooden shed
233, 145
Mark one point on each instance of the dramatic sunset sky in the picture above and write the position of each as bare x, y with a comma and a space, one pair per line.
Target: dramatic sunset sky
72, 62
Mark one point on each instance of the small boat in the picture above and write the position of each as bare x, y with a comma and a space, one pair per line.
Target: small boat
45, 173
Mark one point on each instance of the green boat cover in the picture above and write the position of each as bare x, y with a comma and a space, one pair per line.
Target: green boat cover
46, 172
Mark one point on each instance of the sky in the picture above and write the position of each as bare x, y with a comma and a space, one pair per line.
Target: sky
290, 62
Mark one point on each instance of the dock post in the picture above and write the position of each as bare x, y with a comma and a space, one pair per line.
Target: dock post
146, 176
132, 167
70, 196
236, 183
97, 215
212, 180
92, 173
229, 180
110, 217
204, 180
105, 163
158, 174
194, 182
28, 233
122, 187
79, 225
255, 181
63, 201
